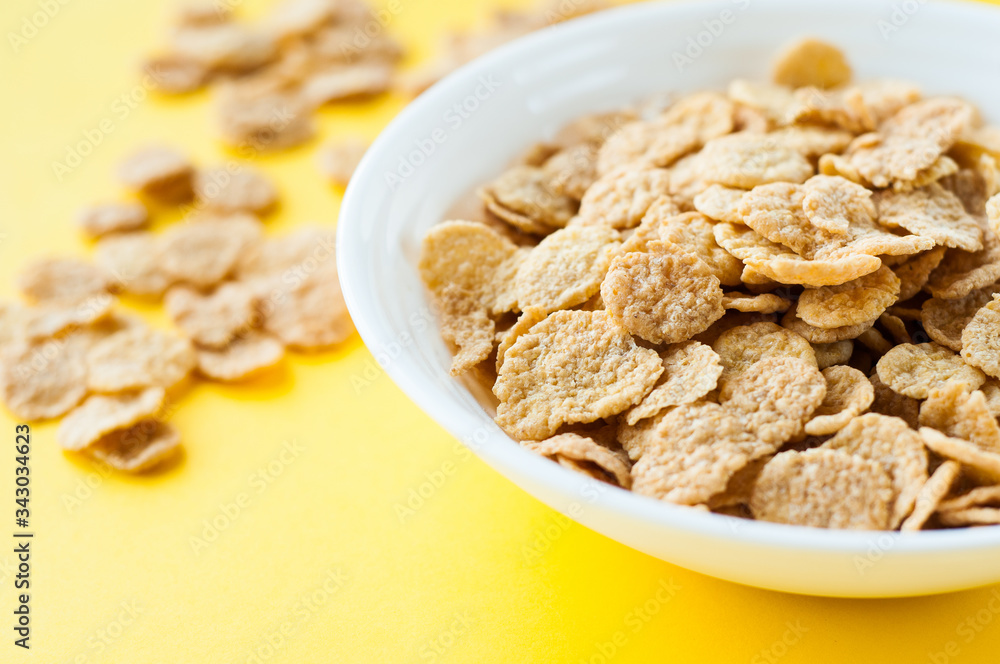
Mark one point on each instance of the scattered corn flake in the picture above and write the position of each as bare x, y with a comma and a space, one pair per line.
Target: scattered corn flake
832, 354
914, 370
823, 488
848, 394
175, 74
522, 197
933, 212
213, 320
242, 357
690, 371
819, 335
203, 252
746, 160
50, 320
574, 366
962, 272
916, 271
931, 494
584, 450
889, 402
223, 47
227, 190
955, 411
135, 261
982, 465
566, 268
106, 218
622, 197
695, 233
265, 122
944, 320
138, 357
981, 339
338, 161
159, 173
37, 386
830, 203
311, 313
851, 303
356, 81
720, 203
765, 303
101, 414
63, 281
664, 295
742, 346
890, 442
572, 171
138, 448
811, 62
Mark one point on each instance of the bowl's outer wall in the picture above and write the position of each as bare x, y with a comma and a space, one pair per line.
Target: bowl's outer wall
465, 129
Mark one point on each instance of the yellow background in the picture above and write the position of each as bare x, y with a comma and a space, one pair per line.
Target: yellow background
479, 572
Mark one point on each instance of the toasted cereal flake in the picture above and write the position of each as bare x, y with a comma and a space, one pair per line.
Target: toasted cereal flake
692, 454
978, 497
464, 323
832, 354
634, 438
931, 495
574, 366
991, 390
823, 488
664, 295
566, 268
265, 122
819, 335
175, 74
933, 212
357, 81
848, 394
528, 318
746, 160
572, 171
740, 486
889, 402
337, 161
101, 414
811, 142
811, 62
227, 190
896, 447
776, 212
522, 197
993, 212
106, 218
161, 173
690, 371
138, 357
852, 303
765, 303
584, 450
974, 186
857, 108
743, 346
982, 465
695, 234
945, 320
213, 320
226, 46
134, 259
941, 168
137, 448
241, 358
914, 370
311, 313
981, 339
953, 410
662, 211
914, 273
720, 203
621, 198
962, 272
37, 386
875, 342
896, 328
774, 102
203, 252
973, 516
832, 202
63, 281
775, 397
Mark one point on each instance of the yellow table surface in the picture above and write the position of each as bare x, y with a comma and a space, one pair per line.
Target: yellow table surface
311, 558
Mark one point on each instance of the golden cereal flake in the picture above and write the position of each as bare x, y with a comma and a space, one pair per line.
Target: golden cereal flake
848, 394
138, 357
664, 295
957, 412
355, 82
889, 402
572, 171
213, 320
914, 370
981, 496
621, 198
875, 342
856, 108
101, 414
740, 487
662, 210
720, 203
585, 451
528, 318
695, 234
832, 202
566, 268
852, 303
945, 320
896, 328
134, 260
241, 189
746, 160
775, 102
775, 211
775, 397
573, 367
916, 271
63, 281
973, 516
931, 494
811, 62
203, 252
310, 313
896, 447
991, 390
106, 218
962, 272
933, 212
522, 197
942, 167
338, 161
742, 346
692, 454
242, 357
811, 142
993, 212
37, 386
982, 465
690, 371
824, 489
765, 303
138, 448
981, 338
832, 354
819, 335
464, 323
266, 121
161, 173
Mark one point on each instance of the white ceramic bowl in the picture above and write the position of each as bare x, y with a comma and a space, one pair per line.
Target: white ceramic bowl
466, 128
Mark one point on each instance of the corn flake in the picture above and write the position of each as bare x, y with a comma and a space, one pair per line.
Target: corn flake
851, 303
583, 450
690, 371
848, 394
137, 448
811, 62
101, 414
944, 320
138, 357
981, 339
914, 370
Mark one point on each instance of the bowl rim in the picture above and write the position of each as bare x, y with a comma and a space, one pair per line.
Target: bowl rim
570, 486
